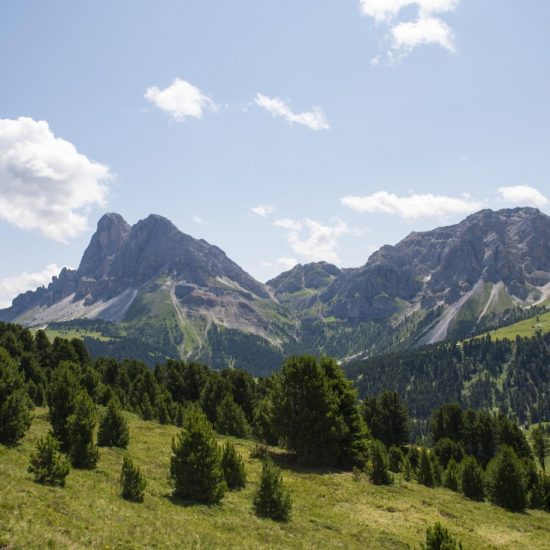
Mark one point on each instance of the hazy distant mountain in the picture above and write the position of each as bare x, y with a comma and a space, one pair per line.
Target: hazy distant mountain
185, 297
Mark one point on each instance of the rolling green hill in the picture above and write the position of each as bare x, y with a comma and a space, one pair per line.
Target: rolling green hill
331, 508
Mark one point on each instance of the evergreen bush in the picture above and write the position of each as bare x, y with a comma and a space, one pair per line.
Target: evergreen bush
48, 464
230, 419
439, 538
113, 428
195, 467
379, 464
506, 484
472, 483
425, 473
272, 499
451, 478
132, 482
15, 403
396, 458
233, 467
80, 425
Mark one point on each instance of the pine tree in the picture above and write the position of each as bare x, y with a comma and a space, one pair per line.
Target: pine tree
439, 538
387, 418
540, 446
407, 469
506, 485
146, 409
63, 390
534, 482
230, 418
396, 459
233, 467
195, 468
272, 499
451, 476
15, 403
471, 478
379, 473
48, 464
113, 428
425, 470
80, 425
132, 482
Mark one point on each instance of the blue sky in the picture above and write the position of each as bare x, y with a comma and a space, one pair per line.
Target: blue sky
285, 131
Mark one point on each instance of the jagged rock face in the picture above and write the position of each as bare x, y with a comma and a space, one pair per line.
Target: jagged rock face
153, 277
123, 263
310, 276
440, 266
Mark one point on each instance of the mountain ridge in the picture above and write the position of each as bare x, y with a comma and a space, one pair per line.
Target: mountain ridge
180, 293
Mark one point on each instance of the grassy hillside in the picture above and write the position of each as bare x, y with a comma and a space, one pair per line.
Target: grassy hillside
526, 328
331, 509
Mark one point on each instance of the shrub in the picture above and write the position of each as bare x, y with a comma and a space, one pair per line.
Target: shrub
272, 499
48, 464
452, 476
113, 429
446, 449
413, 454
195, 467
379, 472
506, 485
425, 470
471, 479
396, 458
439, 538
132, 482
15, 403
233, 467
230, 419
80, 426
534, 483
63, 390
407, 469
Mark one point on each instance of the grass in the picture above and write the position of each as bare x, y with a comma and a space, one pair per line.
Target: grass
331, 509
69, 334
527, 328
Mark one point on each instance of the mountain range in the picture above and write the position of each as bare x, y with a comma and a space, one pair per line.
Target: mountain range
153, 290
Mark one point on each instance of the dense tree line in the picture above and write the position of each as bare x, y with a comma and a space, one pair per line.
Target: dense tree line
512, 376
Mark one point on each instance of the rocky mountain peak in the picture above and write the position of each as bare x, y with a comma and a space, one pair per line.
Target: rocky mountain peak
112, 231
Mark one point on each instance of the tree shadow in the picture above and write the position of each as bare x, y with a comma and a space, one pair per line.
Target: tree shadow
287, 460
184, 503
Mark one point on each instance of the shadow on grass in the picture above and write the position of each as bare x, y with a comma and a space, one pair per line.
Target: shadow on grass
289, 461
184, 503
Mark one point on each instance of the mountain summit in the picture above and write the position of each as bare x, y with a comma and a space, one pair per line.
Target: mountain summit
185, 297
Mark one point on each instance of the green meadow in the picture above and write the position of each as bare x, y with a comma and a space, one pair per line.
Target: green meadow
331, 509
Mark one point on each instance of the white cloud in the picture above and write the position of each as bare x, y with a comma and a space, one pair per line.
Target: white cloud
45, 183
10, 287
386, 10
263, 210
413, 206
406, 35
312, 240
198, 220
314, 119
430, 30
180, 100
522, 195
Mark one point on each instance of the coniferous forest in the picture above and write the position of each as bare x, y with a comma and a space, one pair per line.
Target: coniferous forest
309, 410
